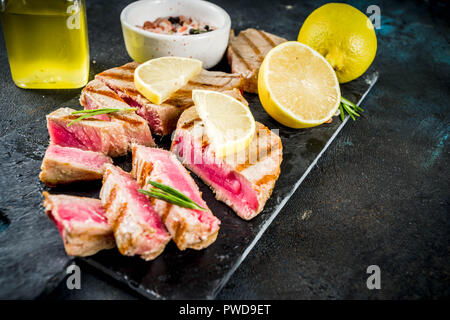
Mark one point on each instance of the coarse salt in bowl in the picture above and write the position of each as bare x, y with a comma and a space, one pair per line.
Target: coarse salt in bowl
142, 45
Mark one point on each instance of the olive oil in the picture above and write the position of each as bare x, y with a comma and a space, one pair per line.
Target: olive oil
47, 43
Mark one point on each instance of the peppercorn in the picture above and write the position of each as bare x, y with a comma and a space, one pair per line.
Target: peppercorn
174, 20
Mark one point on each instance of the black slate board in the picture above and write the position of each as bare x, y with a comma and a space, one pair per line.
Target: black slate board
26, 234
32, 256
201, 274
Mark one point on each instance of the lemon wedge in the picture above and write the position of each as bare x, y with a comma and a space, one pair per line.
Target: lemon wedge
297, 86
158, 79
229, 124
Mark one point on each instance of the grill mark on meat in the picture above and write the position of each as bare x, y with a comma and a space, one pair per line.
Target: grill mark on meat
166, 211
265, 179
253, 46
118, 76
75, 116
241, 59
132, 91
147, 170
221, 76
247, 164
181, 94
107, 93
211, 85
267, 38
115, 223
111, 197
127, 241
126, 96
129, 66
121, 215
132, 160
105, 176
269, 148
189, 124
179, 231
129, 120
257, 145
204, 85
205, 142
259, 157
243, 166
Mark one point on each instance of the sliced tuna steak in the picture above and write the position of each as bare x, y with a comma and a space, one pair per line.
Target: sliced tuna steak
189, 228
206, 80
244, 180
162, 118
96, 95
91, 134
62, 165
81, 222
136, 128
137, 227
246, 52
111, 138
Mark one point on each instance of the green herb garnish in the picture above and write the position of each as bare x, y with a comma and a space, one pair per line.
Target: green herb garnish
349, 107
169, 194
96, 112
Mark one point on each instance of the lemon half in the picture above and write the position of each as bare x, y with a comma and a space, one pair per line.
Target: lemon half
297, 86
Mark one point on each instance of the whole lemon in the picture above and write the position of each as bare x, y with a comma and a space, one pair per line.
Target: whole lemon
344, 36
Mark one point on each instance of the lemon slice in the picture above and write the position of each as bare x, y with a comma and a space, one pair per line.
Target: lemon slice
159, 78
297, 86
229, 124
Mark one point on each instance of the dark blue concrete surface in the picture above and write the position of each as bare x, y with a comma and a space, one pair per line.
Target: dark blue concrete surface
379, 195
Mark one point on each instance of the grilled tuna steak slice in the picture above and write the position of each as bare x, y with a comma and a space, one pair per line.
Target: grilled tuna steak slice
162, 118
111, 138
136, 128
245, 180
96, 95
62, 165
246, 52
137, 227
189, 228
91, 134
206, 80
81, 222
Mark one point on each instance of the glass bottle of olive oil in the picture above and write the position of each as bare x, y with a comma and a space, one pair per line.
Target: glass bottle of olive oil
47, 42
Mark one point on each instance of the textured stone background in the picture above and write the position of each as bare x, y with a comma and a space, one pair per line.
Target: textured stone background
379, 195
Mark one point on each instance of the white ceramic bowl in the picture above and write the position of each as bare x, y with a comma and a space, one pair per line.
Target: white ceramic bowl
209, 47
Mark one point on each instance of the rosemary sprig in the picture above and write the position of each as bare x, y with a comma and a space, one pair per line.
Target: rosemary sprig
169, 194
349, 107
95, 112
169, 190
